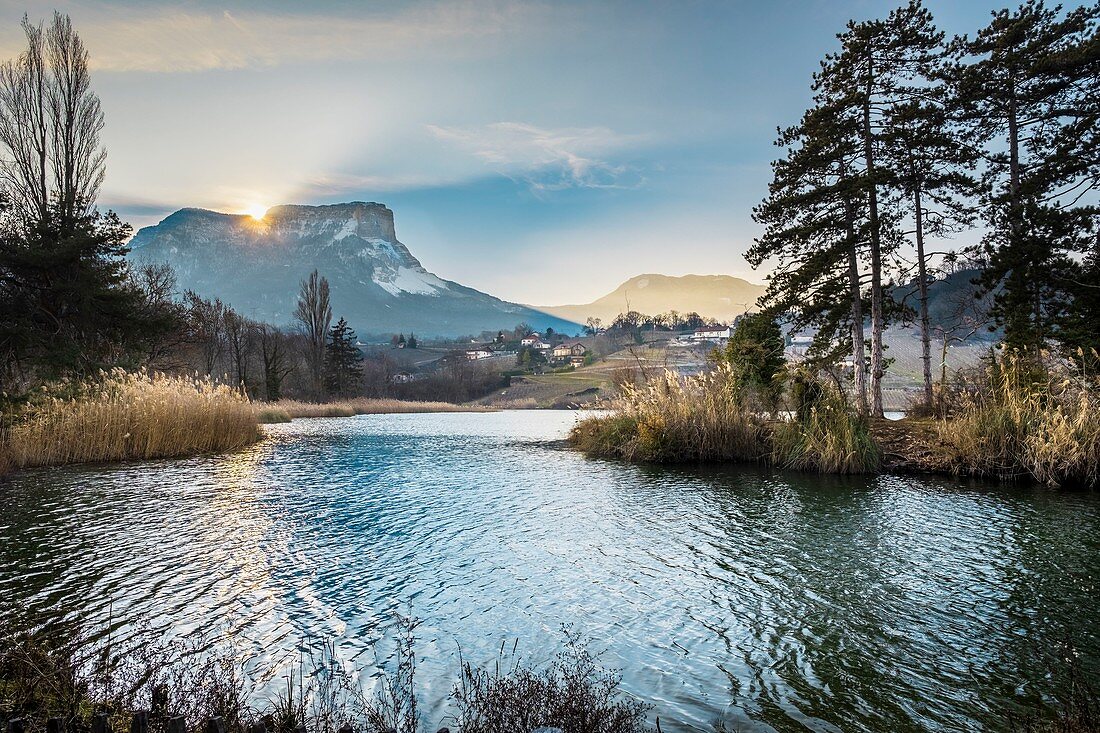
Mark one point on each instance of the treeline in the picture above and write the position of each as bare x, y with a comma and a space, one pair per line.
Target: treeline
914, 138
632, 322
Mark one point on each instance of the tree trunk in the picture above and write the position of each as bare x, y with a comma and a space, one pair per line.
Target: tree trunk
859, 365
878, 368
922, 277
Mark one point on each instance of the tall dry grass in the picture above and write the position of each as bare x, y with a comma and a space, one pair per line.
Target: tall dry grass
1027, 419
125, 416
674, 418
826, 437
285, 410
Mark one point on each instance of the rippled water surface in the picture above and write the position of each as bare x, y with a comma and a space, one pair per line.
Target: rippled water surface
771, 600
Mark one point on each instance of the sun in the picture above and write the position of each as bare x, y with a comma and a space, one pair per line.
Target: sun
256, 211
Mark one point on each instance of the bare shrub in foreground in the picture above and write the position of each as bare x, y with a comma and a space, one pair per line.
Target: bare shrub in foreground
573, 694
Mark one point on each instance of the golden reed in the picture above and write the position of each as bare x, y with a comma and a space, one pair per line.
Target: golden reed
125, 416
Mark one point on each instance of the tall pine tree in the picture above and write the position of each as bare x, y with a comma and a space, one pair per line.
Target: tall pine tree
813, 235
1027, 89
875, 71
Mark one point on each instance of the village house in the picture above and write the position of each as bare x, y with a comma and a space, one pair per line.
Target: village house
567, 351
482, 352
712, 333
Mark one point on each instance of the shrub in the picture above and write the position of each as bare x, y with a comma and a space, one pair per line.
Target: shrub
124, 416
573, 694
1027, 419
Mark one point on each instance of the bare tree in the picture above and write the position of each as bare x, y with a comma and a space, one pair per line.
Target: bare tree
240, 335
314, 313
276, 368
50, 125
206, 320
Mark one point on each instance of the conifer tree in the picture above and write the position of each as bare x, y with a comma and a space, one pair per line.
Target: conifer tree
1027, 89
874, 71
931, 168
343, 360
813, 234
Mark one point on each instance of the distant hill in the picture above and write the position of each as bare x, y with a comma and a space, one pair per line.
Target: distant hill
255, 265
712, 296
953, 301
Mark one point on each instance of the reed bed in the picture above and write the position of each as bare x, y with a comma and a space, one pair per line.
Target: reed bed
125, 416
675, 419
1027, 420
829, 437
285, 410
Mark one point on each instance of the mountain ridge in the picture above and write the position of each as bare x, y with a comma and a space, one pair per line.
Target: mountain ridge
256, 265
723, 297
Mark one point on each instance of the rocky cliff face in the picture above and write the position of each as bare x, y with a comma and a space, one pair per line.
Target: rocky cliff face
377, 284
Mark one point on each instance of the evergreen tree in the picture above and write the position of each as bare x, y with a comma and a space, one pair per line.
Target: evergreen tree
813, 235
931, 166
411, 343
755, 352
343, 360
876, 70
1027, 89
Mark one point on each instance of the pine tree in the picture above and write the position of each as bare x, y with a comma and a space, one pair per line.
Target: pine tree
931, 164
343, 360
875, 71
1027, 89
813, 233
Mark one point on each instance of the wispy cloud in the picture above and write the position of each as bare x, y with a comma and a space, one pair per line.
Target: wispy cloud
549, 159
129, 38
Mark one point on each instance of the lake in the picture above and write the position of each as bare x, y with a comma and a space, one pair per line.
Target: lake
772, 600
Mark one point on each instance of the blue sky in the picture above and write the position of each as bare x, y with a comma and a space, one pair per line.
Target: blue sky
540, 151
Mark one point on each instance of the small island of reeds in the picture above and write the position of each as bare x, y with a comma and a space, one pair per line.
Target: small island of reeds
1012, 418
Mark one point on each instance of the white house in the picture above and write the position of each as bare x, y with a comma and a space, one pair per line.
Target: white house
475, 354
712, 333
531, 339
800, 344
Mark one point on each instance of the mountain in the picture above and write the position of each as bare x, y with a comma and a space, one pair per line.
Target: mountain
712, 296
256, 265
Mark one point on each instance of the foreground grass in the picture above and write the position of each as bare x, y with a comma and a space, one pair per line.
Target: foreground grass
70, 681
286, 410
125, 416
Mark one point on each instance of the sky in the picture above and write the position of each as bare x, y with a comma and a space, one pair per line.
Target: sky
543, 152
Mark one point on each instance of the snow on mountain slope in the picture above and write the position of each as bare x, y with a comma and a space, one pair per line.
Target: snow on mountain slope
256, 265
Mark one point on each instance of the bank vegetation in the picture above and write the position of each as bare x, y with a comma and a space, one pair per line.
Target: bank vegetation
125, 416
1014, 417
